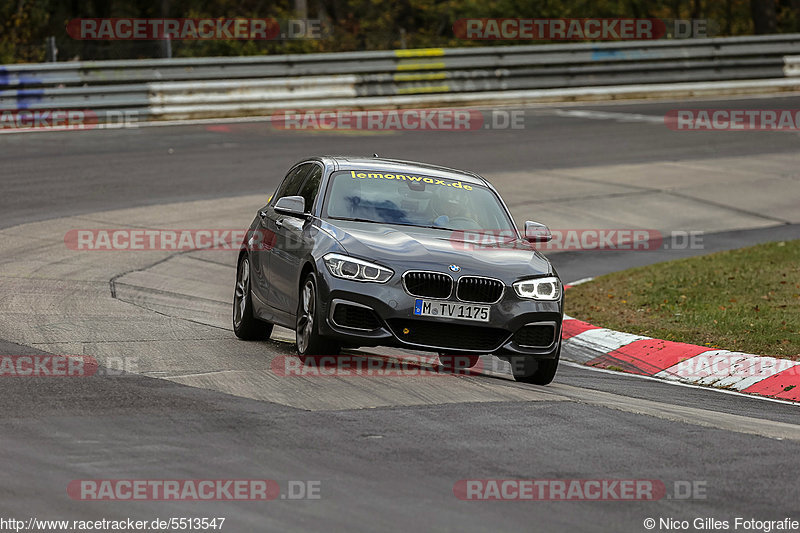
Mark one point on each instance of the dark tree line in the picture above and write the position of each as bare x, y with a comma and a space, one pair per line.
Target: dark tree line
25, 25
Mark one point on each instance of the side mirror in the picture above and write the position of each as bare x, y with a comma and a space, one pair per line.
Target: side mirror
536, 232
294, 206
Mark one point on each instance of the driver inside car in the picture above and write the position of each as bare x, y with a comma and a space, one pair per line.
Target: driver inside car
453, 211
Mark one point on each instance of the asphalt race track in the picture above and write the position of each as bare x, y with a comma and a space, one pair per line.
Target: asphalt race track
387, 452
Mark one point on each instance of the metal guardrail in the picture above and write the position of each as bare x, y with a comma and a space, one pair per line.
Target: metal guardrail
791, 66
230, 86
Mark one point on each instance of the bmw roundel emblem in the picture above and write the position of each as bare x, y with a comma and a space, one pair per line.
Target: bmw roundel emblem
454, 268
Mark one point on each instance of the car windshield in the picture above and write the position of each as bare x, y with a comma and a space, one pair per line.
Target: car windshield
415, 200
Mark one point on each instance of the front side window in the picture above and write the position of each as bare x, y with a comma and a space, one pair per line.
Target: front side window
310, 187
294, 179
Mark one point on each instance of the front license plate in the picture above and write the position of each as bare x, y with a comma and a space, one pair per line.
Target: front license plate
478, 313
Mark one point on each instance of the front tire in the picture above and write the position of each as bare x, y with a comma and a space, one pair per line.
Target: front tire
527, 369
245, 325
309, 342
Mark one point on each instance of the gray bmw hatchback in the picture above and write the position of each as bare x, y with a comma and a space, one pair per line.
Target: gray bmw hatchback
354, 252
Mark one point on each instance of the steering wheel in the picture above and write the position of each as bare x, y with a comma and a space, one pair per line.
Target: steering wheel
469, 222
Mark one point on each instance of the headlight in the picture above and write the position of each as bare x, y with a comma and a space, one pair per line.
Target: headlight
539, 289
346, 267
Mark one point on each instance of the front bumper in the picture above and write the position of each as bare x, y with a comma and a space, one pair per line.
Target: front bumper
396, 325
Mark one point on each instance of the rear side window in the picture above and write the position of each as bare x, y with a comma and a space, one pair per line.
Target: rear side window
293, 180
310, 187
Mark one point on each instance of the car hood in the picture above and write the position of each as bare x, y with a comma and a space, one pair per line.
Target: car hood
407, 247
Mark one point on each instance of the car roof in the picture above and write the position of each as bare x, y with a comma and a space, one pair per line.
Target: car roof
399, 166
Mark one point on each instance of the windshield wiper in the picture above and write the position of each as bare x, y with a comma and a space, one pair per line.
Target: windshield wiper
419, 226
348, 219
352, 219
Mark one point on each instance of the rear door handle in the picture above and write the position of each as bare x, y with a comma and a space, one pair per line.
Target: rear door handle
279, 223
